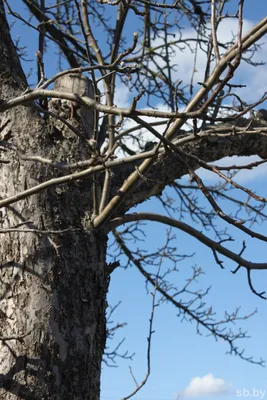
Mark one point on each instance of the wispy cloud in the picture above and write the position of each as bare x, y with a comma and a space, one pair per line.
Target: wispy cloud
207, 385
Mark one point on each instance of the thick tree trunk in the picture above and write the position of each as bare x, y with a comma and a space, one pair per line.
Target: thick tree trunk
53, 284
52, 315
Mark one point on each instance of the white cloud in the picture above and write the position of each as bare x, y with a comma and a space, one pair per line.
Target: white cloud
123, 95
207, 385
184, 57
185, 54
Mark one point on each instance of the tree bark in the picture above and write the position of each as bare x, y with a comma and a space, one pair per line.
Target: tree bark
53, 284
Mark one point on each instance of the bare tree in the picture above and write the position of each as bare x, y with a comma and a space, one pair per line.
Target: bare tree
73, 164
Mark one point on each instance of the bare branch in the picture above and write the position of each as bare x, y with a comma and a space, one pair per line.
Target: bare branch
187, 229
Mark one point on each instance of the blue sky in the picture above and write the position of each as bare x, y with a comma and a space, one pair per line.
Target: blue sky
178, 354
183, 361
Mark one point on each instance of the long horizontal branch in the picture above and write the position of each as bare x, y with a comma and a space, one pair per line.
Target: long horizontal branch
30, 96
214, 246
37, 94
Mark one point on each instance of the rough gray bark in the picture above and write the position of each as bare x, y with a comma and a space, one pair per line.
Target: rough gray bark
53, 287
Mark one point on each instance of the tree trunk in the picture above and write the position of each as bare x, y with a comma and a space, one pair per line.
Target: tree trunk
52, 314
53, 283
52, 279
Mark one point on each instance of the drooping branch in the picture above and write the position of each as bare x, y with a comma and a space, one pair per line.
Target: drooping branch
213, 245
